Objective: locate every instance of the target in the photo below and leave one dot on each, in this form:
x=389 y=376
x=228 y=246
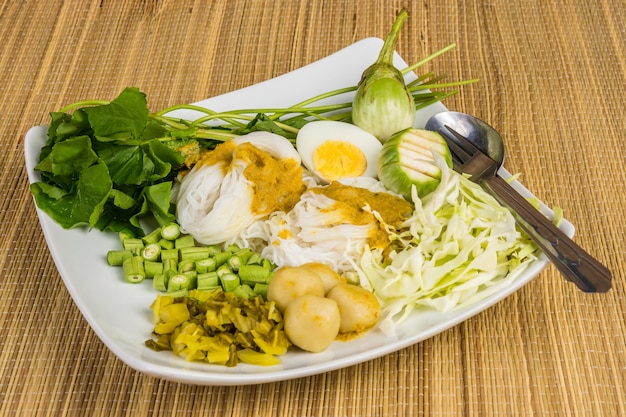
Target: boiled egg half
x=334 y=150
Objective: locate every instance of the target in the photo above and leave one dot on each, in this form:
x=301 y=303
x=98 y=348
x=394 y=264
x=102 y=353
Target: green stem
x=168 y=122
x=443 y=85
x=215 y=135
x=429 y=78
x=185 y=107
x=325 y=95
x=88 y=103
x=227 y=117
x=422 y=97
x=428 y=58
x=315 y=111
x=287 y=128
x=387 y=51
x=435 y=100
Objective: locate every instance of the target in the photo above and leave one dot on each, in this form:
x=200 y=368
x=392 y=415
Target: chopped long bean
x=152 y=268
x=170 y=264
x=223 y=270
x=185 y=266
x=230 y=282
x=178 y=282
x=166 y=244
x=244 y=291
x=117 y=257
x=179 y=265
x=152 y=237
x=261 y=289
x=170 y=231
x=234 y=263
x=151 y=252
x=255 y=274
x=194 y=253
x=134 y=269
x=221 y=258
x=169 y=254
x=159 y=282
x=134 y=245
x=207 y=281
x=206 y=265
x=184 y=241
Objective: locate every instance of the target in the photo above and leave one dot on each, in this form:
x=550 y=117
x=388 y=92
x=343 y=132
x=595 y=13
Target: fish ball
x=329 y=277
x=289 y=283
x=359 y=308
x=312 y=322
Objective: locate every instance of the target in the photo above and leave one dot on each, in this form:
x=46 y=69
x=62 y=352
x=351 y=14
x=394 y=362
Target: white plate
x=119 y=312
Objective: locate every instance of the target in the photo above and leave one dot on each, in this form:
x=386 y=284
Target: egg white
x=312 y=135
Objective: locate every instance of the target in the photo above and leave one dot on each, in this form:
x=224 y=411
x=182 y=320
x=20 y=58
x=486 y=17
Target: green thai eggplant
x=407 y=160
x=383 y=104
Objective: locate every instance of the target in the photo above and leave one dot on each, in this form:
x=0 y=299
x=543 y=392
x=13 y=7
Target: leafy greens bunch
x=106 y=166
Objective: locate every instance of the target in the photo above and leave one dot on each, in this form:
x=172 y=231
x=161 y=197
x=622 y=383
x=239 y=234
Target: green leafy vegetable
x=158 y=200
x=106 y=167
x=124 y=119
x=82 y=204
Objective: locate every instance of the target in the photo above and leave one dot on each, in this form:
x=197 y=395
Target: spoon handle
x=575 y=263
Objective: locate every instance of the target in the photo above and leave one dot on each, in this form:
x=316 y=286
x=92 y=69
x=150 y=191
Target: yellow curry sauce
x=352 y=200
x=277 y=183
x=222 y=154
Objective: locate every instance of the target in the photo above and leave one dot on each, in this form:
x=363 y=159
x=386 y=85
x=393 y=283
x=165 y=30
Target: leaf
x=184 y=133
x=63 y=126
x=127 y=164
x=69 y=157
x=164 y=159
x=122 y=200
x=158 y=198
x=153 y=130
x=116 y=220
x=123 y=119
x=170 y=152
x=297 y=121
x=83 y=204
x=262 y=122
x=140 y=211
x=78 y=124
x=160 y=168
x=139 y=164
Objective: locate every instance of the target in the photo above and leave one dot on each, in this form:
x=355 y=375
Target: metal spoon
x=573 y=262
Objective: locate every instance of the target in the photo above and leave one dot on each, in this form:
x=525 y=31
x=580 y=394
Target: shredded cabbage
x=458 y=243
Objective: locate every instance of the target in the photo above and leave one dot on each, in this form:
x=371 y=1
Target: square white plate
x=119 y=312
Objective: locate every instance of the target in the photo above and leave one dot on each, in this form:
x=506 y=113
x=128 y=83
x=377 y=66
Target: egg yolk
x=335 y=159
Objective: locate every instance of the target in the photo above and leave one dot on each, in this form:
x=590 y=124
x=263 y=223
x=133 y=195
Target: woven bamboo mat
x=553 y=78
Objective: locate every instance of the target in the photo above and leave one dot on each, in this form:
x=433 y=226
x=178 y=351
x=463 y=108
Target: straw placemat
x=552 y=82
